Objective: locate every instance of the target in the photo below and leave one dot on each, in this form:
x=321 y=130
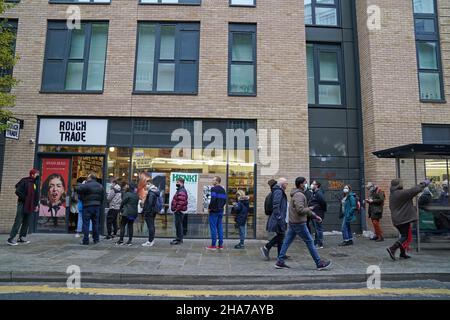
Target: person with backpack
x=27 y=191
x=149 y=211
x=218 y=201
x=241 y=209
x=179 y=205
x=277 y=219
x=376 y=204
x=128 y=212
x=319 y=206
x=349 y=208
x=114 y=199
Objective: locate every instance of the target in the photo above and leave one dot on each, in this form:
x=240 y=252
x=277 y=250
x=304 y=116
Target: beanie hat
x=396 y=183
x=33 y=172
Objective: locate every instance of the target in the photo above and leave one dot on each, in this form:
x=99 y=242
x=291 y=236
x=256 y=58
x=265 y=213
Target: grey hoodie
x=115 y=197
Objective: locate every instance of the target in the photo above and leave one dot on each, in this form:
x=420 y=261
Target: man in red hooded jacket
x=178 y=206
x=27 y=191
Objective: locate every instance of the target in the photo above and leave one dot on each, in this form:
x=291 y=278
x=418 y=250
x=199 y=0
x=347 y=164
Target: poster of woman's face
x=53 y=195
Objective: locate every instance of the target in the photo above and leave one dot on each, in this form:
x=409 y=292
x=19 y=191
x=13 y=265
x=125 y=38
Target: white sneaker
x=77 y=235
x=148 y=244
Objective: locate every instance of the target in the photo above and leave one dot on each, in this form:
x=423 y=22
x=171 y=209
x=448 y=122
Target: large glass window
x=321 y=12
x=247 y=3
x=428 y=51
x=6 y=70
x=75 y=59
x=242 y=60
x=324 y=75
x=80 y=1
x=167 y=58
x=195 y=2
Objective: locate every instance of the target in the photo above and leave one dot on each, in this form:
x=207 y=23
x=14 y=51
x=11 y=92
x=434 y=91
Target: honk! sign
x=92 y=132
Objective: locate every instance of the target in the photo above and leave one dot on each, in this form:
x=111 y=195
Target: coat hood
x=154 y=189
x=117 y=188
x=396 y=184
x=296 y=190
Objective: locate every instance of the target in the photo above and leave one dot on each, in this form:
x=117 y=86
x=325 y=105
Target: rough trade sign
x=73 y=131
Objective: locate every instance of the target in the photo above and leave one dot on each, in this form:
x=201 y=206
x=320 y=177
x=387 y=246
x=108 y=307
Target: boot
x=391 y=250
x=403 y=254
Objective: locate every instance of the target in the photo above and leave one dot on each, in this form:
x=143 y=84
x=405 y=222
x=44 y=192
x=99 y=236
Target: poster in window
x=191 y=186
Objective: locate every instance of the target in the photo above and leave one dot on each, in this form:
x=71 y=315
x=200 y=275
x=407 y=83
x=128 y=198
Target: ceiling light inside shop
x=112 y=149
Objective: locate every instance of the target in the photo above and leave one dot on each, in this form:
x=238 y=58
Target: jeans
x=179 y=225
x=91 y=213
x=111 y=221
x=215 y=226
x=123 y=223
x=346 y=231
x=302 y=231
x=80 y=223
x=278 y=239
x=404 y=230
x=150 y=221
x=242 y=233
x=318 y=233
x=377 y=228
x=21 y=222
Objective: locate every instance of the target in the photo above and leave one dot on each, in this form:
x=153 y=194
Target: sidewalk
x=48 y=256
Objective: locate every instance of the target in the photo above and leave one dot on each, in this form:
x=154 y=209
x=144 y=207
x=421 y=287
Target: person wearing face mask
x=376 y=204
x=348 y=213
x=403 y=213
x=277 y=220
x=27 y=192
x=298 y=212
x=319 y=206
x=178 y=206
x=150 y=211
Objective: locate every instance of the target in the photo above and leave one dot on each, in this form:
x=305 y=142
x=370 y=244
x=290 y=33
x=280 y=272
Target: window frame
x=66 y=59
x=314 y=5
x=13 y=25
x=231 y=4
x=330 y=48
x=423 y=37
x=77 y=2
x=242 y=28
x=157 y=60
x=160 y=3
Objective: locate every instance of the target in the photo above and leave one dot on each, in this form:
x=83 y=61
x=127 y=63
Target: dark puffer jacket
x=150 y=202
x=241 y=209
x=277 y=220
x=129 y=205
x=180 y=201
x=318 y=203
x=91 y=193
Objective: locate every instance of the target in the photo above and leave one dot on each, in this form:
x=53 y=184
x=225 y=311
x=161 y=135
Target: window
x=192 y=2
x=243 y=3
x=167 y=58
x=242 y=59
x=11 y=27
x=428 y=51
x=80 y=1
x=324 y=72
x=321 y=12
x=75 y=59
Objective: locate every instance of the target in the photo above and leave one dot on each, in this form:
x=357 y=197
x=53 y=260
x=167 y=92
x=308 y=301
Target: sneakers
x=148 y=243
x=84 y=243
x=23 y=241
x=374 y=238
x=404 y=256
x=107 y=238
x=129 y=243
x=212 y=248
x=346 y=243
x=281 y=265
x=176 y=242
x=219 y=247
x=265 y=253
x=77 y=235
x=319 y=246
x=323 y=265
x=239 y=246
x=11 y=242
x=119 y=243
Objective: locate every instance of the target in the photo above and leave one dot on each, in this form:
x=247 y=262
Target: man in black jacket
x=92 y=195
x=27 y=192
x=318 y=204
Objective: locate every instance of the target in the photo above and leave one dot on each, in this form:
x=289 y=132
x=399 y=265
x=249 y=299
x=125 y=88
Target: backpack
x=358 y=205
x=159 y=205
x=268 y=204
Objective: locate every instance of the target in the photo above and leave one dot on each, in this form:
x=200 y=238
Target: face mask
x=148 y=186
x=178 y=185
x=346 y=190
x=306 y=186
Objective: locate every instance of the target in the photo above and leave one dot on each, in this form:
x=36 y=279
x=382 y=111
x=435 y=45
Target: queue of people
x=286 y=218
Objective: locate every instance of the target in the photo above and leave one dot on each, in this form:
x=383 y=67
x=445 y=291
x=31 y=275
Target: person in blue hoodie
x=348 y=213
x=218 y=201
x=241 y=209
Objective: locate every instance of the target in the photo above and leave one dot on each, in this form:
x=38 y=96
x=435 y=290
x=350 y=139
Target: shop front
x=123 y=149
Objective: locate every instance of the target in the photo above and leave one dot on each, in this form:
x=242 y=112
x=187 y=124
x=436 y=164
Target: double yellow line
x=222 y=293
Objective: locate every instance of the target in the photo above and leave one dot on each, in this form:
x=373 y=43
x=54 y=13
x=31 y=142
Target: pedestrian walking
x=218 y=201
x=92 y=195
x=348 y=215
x=179 y=205
x=298 y=213
x=114 y=199
x=27 y=192
x=128 y=212
x=150 y=211
x=376 y=204
x=241 y=209
x=318 y=205
x=277 y=219
x=403 y=213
